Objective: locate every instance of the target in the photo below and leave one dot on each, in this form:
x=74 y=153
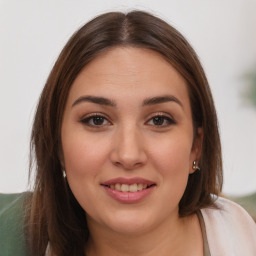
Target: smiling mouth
x=129 y=187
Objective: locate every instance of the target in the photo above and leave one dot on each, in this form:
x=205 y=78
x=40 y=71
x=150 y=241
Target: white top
x=230 y=230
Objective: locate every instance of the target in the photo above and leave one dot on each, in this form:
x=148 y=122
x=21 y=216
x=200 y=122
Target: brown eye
x=95 y=121
x=158 y=120
x=161 y=120
x=98 y=120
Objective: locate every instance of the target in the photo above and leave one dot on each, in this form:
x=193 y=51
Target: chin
x=130 y=223
x=130 y=228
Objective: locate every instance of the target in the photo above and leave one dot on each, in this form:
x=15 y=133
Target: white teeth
x=140 y=186
x=118 y=187
x=128 y=188
x=133 y=188
x=124 y=188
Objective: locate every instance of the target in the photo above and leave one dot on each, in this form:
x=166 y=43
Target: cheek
x=172 y=161
x=172 y=157
x=82 y=154
x=84 y=159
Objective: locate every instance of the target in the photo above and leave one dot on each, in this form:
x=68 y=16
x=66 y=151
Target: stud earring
x=64 y=173
x=195 y=166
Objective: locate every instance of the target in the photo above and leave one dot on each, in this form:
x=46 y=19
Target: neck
x=174 y=237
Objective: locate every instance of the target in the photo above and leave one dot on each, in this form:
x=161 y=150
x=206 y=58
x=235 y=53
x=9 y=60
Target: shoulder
x=229 y=228
x=12 y=239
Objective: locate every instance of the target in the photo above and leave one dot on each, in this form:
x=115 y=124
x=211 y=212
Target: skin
x=131 y=139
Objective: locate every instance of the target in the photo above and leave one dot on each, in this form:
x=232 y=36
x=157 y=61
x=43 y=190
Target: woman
x=127 y=149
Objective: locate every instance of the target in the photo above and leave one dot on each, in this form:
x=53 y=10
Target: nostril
x=127 y=164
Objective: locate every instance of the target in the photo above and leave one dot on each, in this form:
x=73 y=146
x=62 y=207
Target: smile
x=129 y=188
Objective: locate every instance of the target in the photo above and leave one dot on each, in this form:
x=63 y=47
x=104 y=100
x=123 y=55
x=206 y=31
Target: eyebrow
x=108 y=102
x=161 y=99
x=96 y=100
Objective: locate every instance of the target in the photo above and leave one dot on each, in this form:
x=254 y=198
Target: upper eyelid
x=95 y=114
x=163 y=114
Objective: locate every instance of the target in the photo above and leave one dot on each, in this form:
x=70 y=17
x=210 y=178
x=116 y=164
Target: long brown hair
x=53 y=213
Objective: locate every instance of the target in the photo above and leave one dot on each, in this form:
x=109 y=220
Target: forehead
x=129 y=71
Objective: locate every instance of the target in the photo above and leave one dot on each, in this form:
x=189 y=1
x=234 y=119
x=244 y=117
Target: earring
x=195 y=166
x=64 y=173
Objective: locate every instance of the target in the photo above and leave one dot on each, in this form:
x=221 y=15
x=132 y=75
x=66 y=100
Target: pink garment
x=230 y=230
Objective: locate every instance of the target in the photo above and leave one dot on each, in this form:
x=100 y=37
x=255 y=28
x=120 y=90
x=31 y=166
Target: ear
x=196 y=149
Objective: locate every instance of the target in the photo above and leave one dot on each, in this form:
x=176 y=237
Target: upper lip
x=128 y=181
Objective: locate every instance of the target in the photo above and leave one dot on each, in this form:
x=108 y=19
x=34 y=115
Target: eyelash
x=164 y=120
x=92 y=117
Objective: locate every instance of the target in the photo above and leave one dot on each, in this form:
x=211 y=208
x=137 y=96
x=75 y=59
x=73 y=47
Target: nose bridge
x=128 y=149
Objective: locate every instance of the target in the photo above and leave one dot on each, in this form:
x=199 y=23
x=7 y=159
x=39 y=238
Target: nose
x=128 y=149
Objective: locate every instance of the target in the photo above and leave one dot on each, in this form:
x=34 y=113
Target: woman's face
x=127 y=138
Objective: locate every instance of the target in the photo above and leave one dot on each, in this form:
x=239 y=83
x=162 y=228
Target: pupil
x=98 y=120
x=158 y=120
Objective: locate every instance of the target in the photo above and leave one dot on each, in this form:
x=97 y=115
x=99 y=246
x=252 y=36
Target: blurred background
x=223 y=32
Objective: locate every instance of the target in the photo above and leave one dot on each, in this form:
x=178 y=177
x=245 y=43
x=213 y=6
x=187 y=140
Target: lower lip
x=129 y=197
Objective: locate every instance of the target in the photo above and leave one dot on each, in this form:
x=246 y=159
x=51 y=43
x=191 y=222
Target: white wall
x=33 y=32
